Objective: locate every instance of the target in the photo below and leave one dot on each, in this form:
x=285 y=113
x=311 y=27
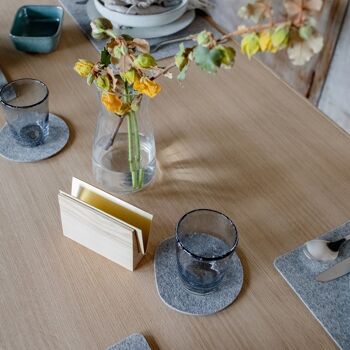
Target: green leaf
x=129 y=76
x=305 y=32
x=229 y=55
x=119 y=51
x=206 y=39
x=216 y=56
x=181 y=60
x=250 y=44
x=103 y=82
x=181 y=49
x=101 y=23
x=280 y=35
x=105 y=57
x=145 y=60
x=201 y=54
x=110 y=33
x=183 y=72
x=208 y=59
x=100 y=27
x=90 y=79
x=203 y=37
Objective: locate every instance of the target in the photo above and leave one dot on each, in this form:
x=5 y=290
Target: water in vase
x=111 y=167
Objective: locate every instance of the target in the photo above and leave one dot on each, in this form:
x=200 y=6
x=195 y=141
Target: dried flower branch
x=126 y=69
x=298 y=34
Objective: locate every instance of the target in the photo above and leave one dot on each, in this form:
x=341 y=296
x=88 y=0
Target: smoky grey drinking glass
x=205 y=242
x=25 y=104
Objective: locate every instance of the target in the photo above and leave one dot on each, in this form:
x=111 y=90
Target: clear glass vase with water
x=124 y=153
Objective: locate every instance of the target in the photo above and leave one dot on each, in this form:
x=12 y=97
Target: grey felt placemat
x=329 y=302
x=56 y=140
x=132 y=342
x=80 y=15
x=176 y=296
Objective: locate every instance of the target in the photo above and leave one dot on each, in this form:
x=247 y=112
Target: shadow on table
x=217 y=172
x=246 y=272
x=72 y=134
x=200 y=173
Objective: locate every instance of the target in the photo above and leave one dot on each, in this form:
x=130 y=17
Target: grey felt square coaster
x=132 y=342
x=176 y=296
x=56 y=140
x=329 y=302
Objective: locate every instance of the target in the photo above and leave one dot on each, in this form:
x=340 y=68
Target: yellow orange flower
x=83 y=67
x=112 y=102
x=147 y=87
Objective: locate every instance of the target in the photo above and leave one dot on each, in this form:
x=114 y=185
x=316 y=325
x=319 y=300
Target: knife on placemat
x=335 y=271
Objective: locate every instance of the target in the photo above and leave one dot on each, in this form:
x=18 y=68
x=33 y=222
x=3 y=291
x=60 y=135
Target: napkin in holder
x=105 y=224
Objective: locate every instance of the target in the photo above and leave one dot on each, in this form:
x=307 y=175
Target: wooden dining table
x=241 y=142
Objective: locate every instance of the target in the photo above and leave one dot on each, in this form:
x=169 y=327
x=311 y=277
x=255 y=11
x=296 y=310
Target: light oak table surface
x=241 y=142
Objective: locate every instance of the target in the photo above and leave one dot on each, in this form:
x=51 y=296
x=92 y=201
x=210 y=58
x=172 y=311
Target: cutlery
x=323 y=250
x=81 y=2
x=335 y=271
x=156 y=47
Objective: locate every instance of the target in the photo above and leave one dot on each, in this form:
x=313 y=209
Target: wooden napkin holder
x=105 y=224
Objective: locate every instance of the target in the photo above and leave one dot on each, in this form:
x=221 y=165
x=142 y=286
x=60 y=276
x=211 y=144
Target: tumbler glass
x=205 y=242
x=26 y=106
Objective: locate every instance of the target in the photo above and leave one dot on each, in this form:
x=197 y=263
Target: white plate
x=142 y=21
x=150 y=32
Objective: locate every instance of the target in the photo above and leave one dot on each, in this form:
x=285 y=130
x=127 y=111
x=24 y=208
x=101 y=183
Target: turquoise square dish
x=37 y=28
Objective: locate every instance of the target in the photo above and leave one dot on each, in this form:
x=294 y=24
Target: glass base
x=121 y=182
x=208 y=274
x=112 y=170
x=30 y=135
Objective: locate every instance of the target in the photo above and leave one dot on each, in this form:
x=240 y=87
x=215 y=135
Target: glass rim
x=27 y=106
x=203 y=258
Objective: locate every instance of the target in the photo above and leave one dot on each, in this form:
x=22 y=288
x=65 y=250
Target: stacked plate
x=147 y=25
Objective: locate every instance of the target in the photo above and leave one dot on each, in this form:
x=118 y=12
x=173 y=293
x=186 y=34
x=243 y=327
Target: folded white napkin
x=148 y=7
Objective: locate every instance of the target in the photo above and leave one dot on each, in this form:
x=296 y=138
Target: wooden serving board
x=308 y=79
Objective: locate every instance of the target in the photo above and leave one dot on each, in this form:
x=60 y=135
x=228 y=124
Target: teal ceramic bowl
x=37 y=28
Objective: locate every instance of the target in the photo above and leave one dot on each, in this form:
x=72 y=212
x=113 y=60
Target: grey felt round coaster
x=57 y=139
x=134 y=341
x=176 y=296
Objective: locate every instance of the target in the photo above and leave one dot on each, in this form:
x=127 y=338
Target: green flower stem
x=134 y=148
x=134 y=151
x=138 y=148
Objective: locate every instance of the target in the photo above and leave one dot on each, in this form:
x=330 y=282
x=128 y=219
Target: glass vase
x=124 y=153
